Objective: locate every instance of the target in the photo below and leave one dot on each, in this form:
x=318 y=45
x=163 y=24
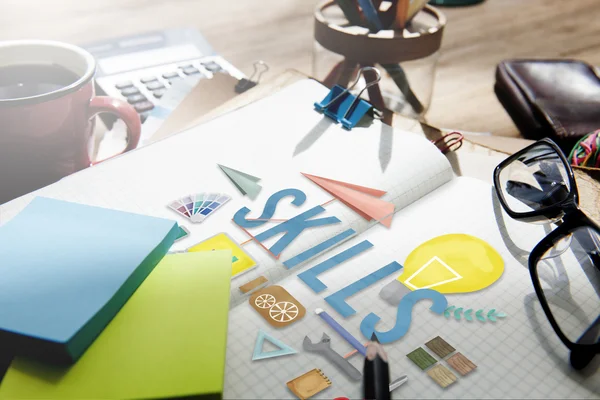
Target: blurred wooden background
x=280 y=32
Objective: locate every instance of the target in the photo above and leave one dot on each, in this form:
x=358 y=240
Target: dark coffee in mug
x=47 y=114
x=17 y=81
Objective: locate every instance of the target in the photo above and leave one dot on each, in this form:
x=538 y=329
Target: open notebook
x=280 y=137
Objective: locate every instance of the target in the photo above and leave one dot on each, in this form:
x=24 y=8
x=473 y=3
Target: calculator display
x=147 y=58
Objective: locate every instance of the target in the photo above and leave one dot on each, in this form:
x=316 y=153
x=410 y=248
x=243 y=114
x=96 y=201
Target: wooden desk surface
x=280 y=32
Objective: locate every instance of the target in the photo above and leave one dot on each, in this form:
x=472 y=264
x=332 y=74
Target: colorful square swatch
x=442 y=375
x=440 y=347
x=421 y=358
x=197 y=207
x=461 y=364
x=240 y=261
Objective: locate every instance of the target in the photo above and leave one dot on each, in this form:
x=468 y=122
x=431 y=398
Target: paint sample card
x=442 y=375
x=307 y=385
x=461 y=364
x=421 y=358
x=240 y=262
x=440 y=347
x=253 y=284
x=277 y=306
x=197 y=207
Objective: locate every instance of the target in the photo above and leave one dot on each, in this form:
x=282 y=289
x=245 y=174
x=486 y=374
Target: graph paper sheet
x=274 y=139
x=517 y=357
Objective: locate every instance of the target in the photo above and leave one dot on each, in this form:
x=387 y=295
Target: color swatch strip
x=197 y=207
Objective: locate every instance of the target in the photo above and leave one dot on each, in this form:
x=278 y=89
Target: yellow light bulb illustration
x=453 y=263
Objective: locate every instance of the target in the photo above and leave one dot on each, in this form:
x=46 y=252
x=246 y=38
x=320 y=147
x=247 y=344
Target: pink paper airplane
x=363 y=200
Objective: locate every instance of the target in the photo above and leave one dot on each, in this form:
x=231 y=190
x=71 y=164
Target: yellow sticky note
x=240 y=261
x=168 y=340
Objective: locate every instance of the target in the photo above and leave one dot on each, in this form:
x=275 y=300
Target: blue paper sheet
x=67 y=269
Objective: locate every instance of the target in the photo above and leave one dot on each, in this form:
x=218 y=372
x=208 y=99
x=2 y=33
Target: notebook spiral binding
x=327 y=380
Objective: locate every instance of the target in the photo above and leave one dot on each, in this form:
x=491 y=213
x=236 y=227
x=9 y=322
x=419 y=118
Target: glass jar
x=405 y=59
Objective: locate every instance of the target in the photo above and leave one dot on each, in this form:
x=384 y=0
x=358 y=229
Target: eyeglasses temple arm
x=591 y=335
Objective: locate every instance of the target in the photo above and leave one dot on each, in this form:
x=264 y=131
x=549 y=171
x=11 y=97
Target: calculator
x=140 y=68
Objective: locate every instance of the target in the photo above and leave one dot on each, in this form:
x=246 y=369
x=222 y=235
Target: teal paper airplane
x=245 y=183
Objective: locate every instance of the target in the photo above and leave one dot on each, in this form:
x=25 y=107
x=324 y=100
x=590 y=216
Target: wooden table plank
x=280 y=32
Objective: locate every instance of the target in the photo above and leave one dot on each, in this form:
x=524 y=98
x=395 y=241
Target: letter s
x=403 y=315
x=270 y=207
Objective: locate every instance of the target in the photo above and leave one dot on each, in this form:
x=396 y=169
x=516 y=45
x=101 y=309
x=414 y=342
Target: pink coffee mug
x=45 y=136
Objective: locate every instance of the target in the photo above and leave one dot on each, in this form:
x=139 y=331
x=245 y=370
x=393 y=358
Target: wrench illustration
x=324 y=348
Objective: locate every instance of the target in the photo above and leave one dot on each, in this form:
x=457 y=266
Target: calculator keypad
x=142 y=92
x=130 y=91
x=155 y=85
x=148 y=79
x=190 y=70
x=143 y=106
x=136 y=98
x=212 y=66
x=124 y=84
x=159 y=93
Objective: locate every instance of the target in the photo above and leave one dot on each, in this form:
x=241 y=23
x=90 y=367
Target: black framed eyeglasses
x=537 y=184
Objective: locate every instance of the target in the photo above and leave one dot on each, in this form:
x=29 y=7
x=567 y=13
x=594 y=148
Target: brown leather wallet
x=559 y=99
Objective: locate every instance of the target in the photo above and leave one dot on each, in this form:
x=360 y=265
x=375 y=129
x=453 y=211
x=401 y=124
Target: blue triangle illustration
x=245 y=183
x=284 y=349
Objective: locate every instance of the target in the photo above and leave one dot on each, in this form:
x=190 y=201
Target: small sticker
x=421 y=358
x=309 y=384
x=461 y=364
x=253 y=284
x=442 y=375
x=282 y=348
x=240 y=262
x=182 y=233
x=277 y=306
x=440 y=347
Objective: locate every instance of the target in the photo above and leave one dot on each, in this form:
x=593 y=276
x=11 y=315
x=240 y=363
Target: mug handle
x=123 y=110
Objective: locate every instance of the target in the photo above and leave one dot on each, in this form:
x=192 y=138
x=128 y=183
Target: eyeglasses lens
x=536 y=180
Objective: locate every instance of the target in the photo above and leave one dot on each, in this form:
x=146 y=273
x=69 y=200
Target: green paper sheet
x=168 y=340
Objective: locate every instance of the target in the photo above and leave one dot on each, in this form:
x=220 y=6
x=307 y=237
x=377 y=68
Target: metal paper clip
x=451 y=142
x=245 y=84
x=346 y=108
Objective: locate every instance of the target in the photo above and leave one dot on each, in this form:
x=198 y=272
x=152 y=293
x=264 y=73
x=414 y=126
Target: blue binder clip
x=346 y=108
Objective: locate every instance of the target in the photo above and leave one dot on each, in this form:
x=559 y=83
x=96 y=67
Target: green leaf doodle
x=481 y=315
x=468 y=315
x=448 y=311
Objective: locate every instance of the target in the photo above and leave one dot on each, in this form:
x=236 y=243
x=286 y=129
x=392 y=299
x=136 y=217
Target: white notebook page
x=519 y=356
